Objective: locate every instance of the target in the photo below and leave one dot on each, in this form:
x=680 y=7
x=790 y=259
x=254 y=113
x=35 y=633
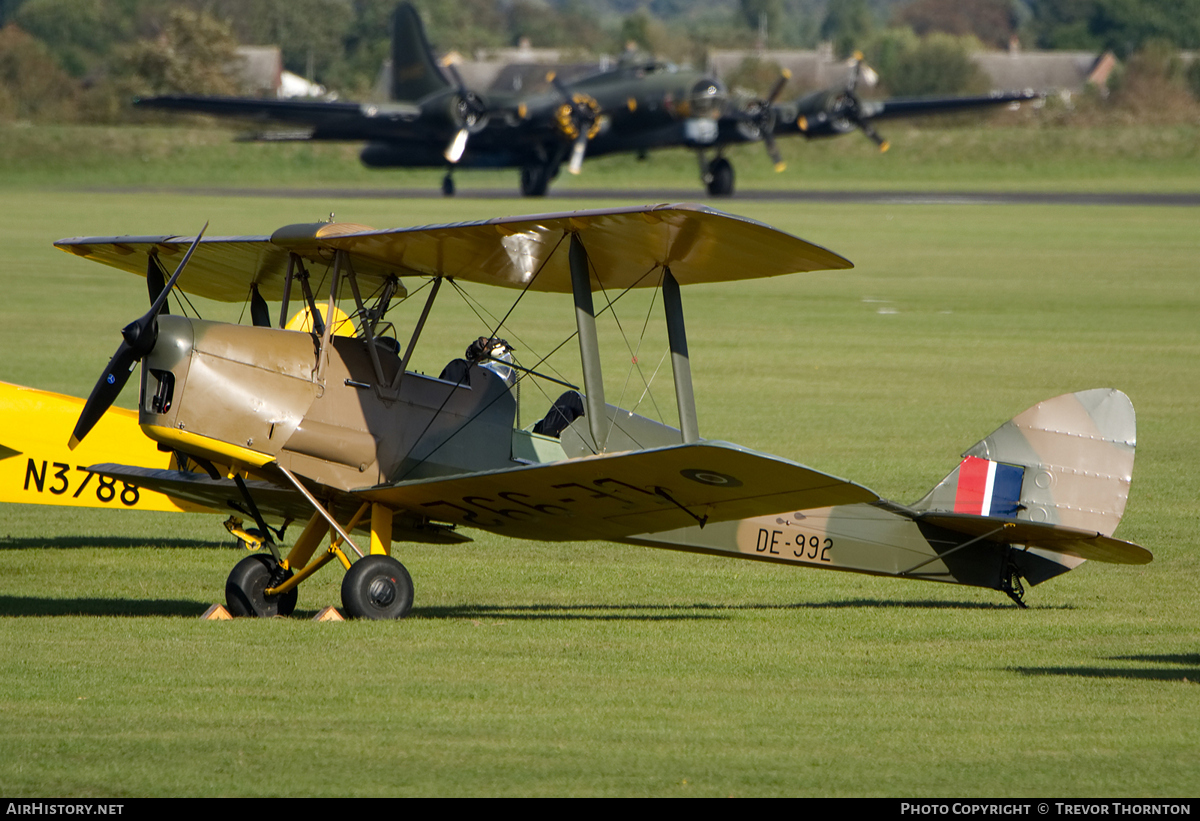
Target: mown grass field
x=998 y=156
x=593 y=669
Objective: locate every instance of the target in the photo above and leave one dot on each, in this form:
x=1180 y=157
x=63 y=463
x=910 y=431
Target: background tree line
x=84 y=59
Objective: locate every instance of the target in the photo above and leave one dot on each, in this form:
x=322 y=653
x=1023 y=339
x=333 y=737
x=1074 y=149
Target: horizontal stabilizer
x=1068 y=541
x=613 y=496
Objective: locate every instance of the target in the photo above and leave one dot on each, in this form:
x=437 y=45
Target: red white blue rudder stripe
x=987 y=488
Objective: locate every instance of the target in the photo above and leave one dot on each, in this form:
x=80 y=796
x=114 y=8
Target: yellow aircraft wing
x=627 y=248
x=36 y=467
x=613 y=496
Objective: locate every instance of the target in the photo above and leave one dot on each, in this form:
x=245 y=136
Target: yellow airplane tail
x=37 y=467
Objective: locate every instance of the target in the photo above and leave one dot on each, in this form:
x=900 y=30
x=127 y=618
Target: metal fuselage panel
x=860 y=538
x=262 y=392
x=430 y=428
x=244 y=386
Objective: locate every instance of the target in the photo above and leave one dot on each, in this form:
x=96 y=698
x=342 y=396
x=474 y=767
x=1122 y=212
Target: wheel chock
x=329 y=614
x=217 y=613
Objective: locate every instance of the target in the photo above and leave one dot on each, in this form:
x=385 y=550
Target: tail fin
x=415 y=72
x=1066 y=461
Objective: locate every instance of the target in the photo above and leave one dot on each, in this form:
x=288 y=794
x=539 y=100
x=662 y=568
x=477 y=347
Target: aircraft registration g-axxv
x=329 y=425
x=432 y=120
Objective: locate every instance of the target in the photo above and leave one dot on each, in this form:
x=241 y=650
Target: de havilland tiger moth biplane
x=329 y=425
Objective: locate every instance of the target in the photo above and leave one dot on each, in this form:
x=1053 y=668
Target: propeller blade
x=156 y=308
x=871 y=133
x=155 y=282
x=458 y=145
x=138 y=338
x=576 y=164
x=115 y=375
x=773 y=151
x=260 y=315
x=777 y=89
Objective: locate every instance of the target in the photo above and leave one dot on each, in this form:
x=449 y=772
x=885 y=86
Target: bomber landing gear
x=718 y=177
x=377 y=587
x=448 y=185
x=535 y=180
x=250 y=577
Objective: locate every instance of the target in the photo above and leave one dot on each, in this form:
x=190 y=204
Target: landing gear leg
x=719 y=177
x=448 y=185
x=1010 y=583
x=535 y=180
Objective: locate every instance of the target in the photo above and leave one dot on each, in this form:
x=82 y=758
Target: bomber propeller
x=138 y=338
x=578 y=118
x=758 y=119
x=847 y=107
x=470 y=111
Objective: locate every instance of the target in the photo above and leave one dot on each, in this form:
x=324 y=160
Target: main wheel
x=721 y=172
x=448 y=185
x=249 y=578
x=377 y=587
x=535 y=180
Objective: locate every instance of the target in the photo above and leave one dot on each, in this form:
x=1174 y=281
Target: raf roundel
x=711 y=477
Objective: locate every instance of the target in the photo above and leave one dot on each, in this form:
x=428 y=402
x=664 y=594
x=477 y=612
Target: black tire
x=535 y=180
x=721 y=172
x=377 y=587
x=447 y=186
x=249 y=578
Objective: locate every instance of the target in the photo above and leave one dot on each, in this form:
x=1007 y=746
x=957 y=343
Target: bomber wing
x=321 y=120
x=832 y=112
x=627 y=247
x=917 y=106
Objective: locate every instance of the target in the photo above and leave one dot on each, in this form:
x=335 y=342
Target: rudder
x=415 y=73
x=1065 y=461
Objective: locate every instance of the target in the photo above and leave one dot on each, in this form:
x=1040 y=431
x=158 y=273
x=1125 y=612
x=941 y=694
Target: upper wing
x=323 y=120
x=613 y=496
x=627 y=247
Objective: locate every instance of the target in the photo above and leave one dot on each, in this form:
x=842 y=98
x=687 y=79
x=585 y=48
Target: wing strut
x=685 y=397
x=416 y=334
x=589 y=346
x=287 y=291
x=319 y=508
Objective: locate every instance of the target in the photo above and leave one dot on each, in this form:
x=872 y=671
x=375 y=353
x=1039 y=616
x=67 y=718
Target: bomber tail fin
x=415 y=71
x=1067 y=461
